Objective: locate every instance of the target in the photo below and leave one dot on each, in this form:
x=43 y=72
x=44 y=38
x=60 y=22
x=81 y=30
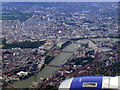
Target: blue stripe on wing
x=78 y=81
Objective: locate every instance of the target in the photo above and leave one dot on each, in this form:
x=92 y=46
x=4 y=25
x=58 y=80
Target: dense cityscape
x=46 y=43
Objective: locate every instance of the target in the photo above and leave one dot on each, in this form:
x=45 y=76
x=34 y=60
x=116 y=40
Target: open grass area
x=15 y=15
x=82 y=61
x=24 y=44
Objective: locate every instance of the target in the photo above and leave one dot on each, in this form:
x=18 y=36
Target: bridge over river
x=68 y=51
x=50 y=70
x=53 y=65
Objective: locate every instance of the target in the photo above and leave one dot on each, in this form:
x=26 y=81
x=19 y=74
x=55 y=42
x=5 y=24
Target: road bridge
x=52 y=65
x=68 y=51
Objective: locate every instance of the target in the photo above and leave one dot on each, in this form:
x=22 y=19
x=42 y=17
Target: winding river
x=58 y=60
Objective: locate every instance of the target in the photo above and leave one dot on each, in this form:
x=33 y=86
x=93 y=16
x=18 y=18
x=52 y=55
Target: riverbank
x=49 y=71
x=74 y=39
x=65 y=44
x=23 y=76
x=48 y=59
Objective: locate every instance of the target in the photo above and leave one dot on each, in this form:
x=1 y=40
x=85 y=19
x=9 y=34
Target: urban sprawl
x=34 y=34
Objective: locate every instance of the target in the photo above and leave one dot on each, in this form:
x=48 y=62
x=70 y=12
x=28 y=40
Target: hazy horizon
x=59 y=0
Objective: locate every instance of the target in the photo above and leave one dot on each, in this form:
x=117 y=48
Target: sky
x=59 y=0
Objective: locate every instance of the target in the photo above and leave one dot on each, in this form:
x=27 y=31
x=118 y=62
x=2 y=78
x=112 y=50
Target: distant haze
x=60 y=0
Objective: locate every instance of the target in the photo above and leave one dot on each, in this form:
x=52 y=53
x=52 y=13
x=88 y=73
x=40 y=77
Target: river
x=48 y=71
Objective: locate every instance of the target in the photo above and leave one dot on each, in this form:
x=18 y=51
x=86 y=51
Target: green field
x=48 y=59
x=15 y=15
x=80 y=61
x=24 y=44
